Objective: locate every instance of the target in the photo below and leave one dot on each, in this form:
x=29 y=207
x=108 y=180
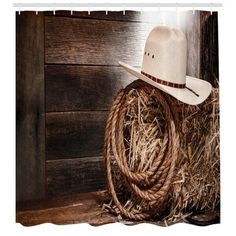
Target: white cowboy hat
x=164 y=66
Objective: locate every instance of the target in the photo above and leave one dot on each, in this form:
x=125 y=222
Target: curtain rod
x=143 y=5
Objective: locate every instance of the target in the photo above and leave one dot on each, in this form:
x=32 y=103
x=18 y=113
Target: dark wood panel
x=71 y=88
x=72 y=209
x=60 y=201
x=74 y=134
x=30 y=118
x=78 y=175
x=130 y=16
x=209 y=48
x=97 y=42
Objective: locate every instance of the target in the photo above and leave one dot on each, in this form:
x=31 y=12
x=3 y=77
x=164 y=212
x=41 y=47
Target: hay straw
x=196 y=183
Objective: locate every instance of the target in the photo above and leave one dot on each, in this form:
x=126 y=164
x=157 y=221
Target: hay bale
x=195 y=186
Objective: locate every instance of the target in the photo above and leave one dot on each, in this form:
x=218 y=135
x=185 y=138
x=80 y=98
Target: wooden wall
x=81 y=76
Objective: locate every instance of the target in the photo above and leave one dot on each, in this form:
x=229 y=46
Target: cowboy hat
x=164 y=66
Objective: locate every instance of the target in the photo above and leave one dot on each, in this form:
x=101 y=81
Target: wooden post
x=30 y=114
x=209 y=68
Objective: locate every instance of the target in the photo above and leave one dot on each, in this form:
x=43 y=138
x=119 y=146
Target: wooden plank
x=70 y=88
x=30 y=118
x=79 y=208
x=74 y=134
x=97 y=42
x=78 y=175
x=193 y=34
x=209 y=48
x=60 y=201
x=130 y=16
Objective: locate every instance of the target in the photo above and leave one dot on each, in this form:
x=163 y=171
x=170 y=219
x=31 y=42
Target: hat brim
x=201 y=87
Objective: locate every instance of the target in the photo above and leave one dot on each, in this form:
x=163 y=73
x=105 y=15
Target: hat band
x=163 y=82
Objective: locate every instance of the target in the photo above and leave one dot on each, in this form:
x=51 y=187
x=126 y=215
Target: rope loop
x=147 y=183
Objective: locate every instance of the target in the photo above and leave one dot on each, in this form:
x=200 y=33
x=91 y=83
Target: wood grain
x=74 y=134
x=83 y=87
x=30 y=118
x=97 y=42
x=78 y=208
x=78 y=175
x=209 y=48
x=193 y=35
x=130 y=16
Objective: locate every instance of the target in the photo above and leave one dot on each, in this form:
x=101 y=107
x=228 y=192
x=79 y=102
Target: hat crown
x=165 y=55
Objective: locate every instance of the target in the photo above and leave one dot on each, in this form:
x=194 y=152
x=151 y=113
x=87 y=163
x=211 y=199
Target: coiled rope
x=151 y=185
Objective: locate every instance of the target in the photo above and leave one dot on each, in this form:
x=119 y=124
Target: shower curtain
x=68 y=80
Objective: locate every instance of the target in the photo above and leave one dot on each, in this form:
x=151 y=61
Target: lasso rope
x=151 y=185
